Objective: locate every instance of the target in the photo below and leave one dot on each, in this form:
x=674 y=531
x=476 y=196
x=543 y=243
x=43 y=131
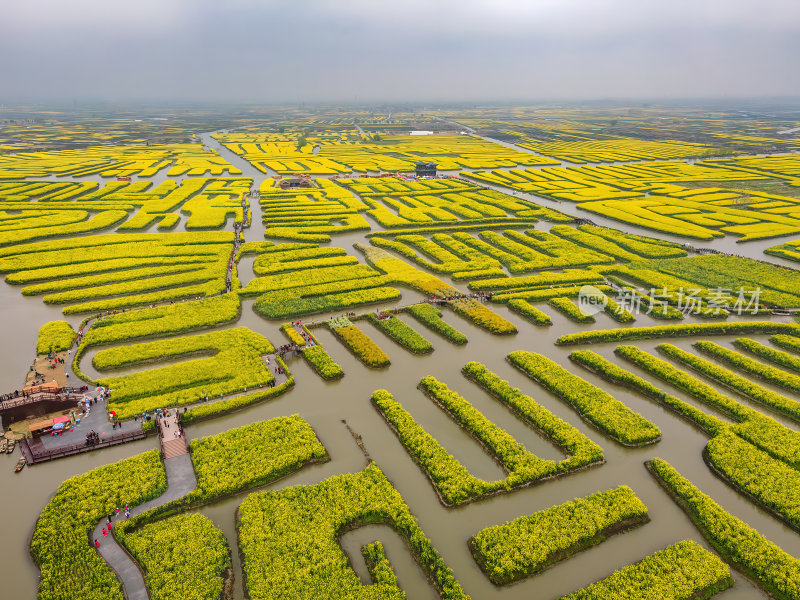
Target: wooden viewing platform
x=64 y=395
x=34 y=451
x=171 y=446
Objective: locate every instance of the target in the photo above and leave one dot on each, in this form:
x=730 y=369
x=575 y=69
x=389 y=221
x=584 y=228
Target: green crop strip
x=236 y=365
x=401 y=333
x=682 y=330
x=771 y=482
x=183 y=556
x=453 y=482
x=568 y=308
x=751 y=367
x=431 y=317
x=55 y=336
x=616 y=374
x=748 y=551
x=683 y=571
x=776 y=401
x=529 y=544
x=760 y=430
x=70 y=567
x=282 y=530
x=598 y=407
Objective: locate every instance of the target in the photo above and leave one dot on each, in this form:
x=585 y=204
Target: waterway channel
x=326 y=404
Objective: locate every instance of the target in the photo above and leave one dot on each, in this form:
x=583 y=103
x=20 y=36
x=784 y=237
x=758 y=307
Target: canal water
x=325 y=405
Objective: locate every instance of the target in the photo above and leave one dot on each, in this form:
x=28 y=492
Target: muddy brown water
x=325 y=404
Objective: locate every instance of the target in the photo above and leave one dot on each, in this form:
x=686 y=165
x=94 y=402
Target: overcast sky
x=387 y=50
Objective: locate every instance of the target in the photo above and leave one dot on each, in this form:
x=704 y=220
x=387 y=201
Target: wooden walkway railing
x=34 y=398
x=34 y=451
x=69 y=394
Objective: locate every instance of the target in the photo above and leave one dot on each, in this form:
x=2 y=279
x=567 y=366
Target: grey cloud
x=278 y=50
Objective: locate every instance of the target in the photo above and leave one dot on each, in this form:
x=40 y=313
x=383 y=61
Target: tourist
x=96 y=544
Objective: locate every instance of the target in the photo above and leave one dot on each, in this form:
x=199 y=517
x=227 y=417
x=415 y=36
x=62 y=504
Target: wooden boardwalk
x=71 y=394
x=173 y=442
x=34 y=451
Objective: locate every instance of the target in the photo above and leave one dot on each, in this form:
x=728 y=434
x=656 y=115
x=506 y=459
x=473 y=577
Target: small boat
x=3 y=445
x=20 y=465
x=11 y=444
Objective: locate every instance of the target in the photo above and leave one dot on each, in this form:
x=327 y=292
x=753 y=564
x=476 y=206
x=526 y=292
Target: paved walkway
x=180 y=481
x=95 y=420
x=269 y=360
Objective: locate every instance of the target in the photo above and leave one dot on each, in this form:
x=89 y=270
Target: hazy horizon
x=362 y=52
